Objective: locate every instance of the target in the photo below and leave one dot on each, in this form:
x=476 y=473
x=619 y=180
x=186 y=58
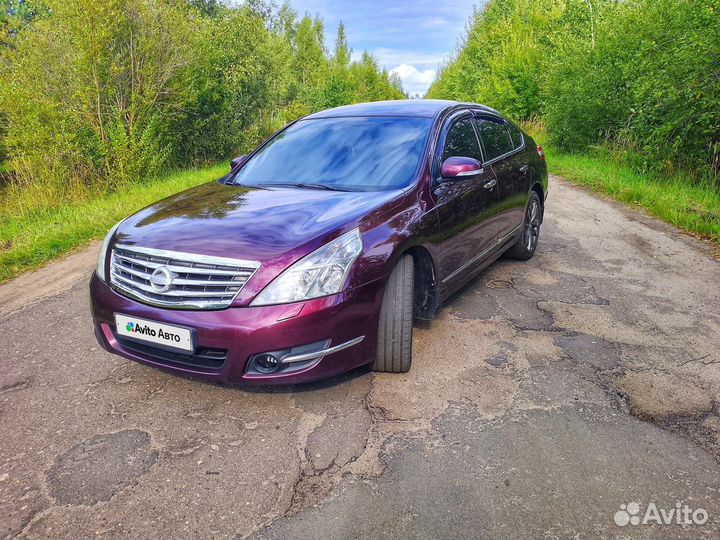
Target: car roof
x=419 y=108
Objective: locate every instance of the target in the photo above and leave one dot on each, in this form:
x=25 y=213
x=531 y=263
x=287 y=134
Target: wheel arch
x=425 y=294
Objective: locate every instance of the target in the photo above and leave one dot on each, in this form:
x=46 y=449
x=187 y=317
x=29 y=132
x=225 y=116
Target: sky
x=407 y=37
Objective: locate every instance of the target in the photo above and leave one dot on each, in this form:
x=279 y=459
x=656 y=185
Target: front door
x=467 y=208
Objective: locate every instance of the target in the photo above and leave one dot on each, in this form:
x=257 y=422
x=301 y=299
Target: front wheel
x=526 y=245
x=394 y=347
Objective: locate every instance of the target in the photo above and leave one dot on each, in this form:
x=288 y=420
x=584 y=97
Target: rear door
x=467 y=208
x=502 y=156
x=520 y=163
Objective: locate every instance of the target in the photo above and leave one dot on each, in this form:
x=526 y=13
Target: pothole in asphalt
x=498 y=360
x=567 y=288
x=590 y=350
x=542 y=473
x=658 y=396
x=474 y=304
x=499 y=283
x=96 y=469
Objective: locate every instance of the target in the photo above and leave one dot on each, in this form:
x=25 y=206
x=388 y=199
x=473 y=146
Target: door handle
x=524 y=168
x=491 y=184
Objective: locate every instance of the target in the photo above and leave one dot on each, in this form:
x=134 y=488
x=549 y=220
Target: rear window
x=495 y=137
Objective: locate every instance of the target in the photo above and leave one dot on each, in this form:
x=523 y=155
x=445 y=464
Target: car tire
x=394 y=345
x=526 y=245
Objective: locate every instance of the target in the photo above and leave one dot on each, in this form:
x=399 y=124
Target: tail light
x=540 y=152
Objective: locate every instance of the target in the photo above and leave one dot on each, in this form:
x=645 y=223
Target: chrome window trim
x=505 y=155
x=439 y=140
x=479 y=116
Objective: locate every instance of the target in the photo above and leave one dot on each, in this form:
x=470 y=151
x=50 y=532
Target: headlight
x=321 y=273
x=100 y=270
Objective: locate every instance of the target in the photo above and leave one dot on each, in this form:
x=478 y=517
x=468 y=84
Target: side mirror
x=237 y=161
x=459 y=168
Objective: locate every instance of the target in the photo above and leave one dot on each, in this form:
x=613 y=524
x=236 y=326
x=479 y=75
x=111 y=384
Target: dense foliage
x=641 y=77
x=103 y=92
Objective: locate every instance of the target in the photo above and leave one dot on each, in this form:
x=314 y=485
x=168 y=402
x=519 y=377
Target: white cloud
x=393 y=57
x=415 y=81
x=436 y=22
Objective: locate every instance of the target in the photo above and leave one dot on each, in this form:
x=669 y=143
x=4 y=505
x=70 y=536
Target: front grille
x=203 y=357
x=178 y=280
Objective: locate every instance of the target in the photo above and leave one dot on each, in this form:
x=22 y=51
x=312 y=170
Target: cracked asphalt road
x=547 y=394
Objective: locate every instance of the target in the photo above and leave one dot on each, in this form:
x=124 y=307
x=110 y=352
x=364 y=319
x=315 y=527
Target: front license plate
x=167 y=335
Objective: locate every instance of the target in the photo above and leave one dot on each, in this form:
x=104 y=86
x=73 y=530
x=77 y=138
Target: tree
x=396 y=82
x=309 y=58
x=638 y=77
x=89 y=90
x=342 y=51
x=99 y=93
x=16 y=15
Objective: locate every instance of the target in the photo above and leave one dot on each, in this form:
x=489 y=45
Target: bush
x=640 y=77
x=504 y=58
x=95 y=94
x=649 y=87
x=89 y=91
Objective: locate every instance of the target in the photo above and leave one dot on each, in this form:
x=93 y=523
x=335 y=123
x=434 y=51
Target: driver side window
x=461 y=140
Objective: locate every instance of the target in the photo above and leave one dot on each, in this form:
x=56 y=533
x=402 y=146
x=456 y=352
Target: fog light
x=267 y=362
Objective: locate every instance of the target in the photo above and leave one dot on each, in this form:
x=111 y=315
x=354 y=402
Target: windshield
x=354 y=154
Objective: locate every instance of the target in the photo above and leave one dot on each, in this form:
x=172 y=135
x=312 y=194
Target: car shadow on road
x=337 y=380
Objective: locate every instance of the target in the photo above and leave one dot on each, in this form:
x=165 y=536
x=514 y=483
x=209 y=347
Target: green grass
x=690 y=205
x=43 y=234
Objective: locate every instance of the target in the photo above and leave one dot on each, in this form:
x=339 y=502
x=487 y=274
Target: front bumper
x=227 y=339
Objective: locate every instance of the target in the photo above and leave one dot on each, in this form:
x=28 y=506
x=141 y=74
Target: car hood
x=271 y=226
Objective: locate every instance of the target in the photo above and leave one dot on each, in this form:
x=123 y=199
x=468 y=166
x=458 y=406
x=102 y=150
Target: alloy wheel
x=532 y=226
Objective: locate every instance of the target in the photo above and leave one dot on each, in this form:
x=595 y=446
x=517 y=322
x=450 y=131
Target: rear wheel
x=526 y=245
x=394 y=348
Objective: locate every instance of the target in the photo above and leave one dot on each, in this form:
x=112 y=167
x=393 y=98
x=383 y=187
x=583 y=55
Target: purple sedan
x=319 y=250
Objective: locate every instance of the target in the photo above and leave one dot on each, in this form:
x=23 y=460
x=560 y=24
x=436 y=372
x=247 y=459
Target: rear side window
x=461 y=141
x=495 y=138
x=515 y=135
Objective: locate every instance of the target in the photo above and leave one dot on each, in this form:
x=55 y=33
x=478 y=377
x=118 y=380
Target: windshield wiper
x=306 y=185
x=240 y=184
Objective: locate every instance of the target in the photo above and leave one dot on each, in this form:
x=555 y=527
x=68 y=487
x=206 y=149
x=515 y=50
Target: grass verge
x=691 y=206
x=30 y=241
